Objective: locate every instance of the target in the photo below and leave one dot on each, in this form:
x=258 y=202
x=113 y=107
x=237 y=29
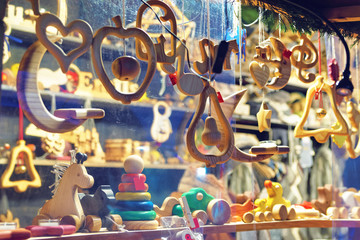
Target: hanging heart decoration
x=79 y=26
x=260 y=73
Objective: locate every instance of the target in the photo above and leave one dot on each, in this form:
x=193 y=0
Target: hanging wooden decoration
x=28 y=93
x=321 y=135
x=161 y=126
x=304 y=56
x=20 y=185
x=282 y=64
x=80 y=26
x=260 y=73
x=264 y=117
x=227 y=134
x=353 y=114
x=121 y=32
x=169 y=16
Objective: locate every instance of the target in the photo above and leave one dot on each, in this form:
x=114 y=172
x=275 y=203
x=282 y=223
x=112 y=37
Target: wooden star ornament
x=264 y=117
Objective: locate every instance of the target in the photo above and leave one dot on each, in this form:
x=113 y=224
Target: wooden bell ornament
x=211 y=135
x=20 y=185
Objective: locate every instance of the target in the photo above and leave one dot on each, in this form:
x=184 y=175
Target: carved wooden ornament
x=79 y=26
x=161 y=127
x=227 y=133
x=321 y=135
x=260 y=73
x=306 y=59
x=121 y=32
x=20 y=185
x=282 y=64
x=264 y=117
x=228 y=107
x=169 y=16
x=30 y=99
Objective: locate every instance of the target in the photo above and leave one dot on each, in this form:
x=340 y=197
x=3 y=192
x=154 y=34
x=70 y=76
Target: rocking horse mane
x=59 y=170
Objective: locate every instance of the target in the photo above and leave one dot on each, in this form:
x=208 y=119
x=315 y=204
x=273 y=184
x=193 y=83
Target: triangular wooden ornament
x=322 y=134
x=20 y=185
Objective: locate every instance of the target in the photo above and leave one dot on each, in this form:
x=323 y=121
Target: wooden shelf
x=102 y=164
x=209 y=229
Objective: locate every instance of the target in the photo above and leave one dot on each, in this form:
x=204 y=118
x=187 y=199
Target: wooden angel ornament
x=65 y=203
x=321 y=135
x=161 y=126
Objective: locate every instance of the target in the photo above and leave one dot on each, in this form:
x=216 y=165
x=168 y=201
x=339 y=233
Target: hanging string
x=124 y=23
x=21 y=124
x=260 y=25
x=183 y=19
x=240 y=44
x=208 y=37
x=357 y=71
x=279 y=26
x=319 y=53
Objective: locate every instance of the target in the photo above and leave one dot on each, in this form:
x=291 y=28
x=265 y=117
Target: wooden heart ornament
x=79 y=26
x=121 y=32
x=260 y=73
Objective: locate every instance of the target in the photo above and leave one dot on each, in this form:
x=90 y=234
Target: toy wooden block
x=136 y=215
x=141 y=225
x=130 y=187
x=132 y=196
x=132 y=206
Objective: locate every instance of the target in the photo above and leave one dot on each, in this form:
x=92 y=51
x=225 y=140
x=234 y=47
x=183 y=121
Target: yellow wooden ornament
x=322 y=134
x=338 y=139
x=264 y=117
x=20 y=185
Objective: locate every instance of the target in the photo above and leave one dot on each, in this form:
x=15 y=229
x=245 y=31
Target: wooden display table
x=209 y=229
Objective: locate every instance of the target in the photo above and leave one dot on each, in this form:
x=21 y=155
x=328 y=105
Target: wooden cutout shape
x=169 y=16
x=326 y=195
x=161 y=127
x=202 y=67
x=61 y=9
x=228 y=107
x=190 y=84
x=282 y=64
x=80 y=26
x=65 y=201
x=306 y=59
x=20 y=185
x=322 y=134
x=167 y=207
x=353 y=114
x=264 y=117
x=260 y=73
x=79 y=113
x=29 y=95
x=96 y=57
x=227 y=133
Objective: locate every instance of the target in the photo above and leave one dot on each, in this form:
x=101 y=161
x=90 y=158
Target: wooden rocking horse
x=65 y=203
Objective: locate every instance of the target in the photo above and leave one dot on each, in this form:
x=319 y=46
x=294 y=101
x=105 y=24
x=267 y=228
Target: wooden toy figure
x=133 y=199
x=65 y=203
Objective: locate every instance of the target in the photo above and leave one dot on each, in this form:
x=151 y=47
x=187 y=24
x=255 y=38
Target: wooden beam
x=343 y=14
